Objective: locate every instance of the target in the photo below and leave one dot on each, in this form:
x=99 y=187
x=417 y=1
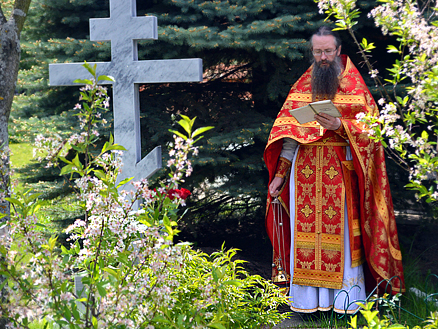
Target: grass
x=22 y=154
x=55 y=211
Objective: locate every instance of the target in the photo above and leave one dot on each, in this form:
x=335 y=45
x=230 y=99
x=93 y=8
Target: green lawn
x=22 y=153
x=54 y=211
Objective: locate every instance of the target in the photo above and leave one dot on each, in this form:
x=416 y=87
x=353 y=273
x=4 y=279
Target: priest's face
x=324 y=49
x=327 y=67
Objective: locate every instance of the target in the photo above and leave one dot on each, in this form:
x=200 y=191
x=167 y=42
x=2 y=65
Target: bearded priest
x=329 y=212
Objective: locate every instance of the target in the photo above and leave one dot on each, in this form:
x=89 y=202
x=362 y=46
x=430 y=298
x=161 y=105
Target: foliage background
x=252 y=51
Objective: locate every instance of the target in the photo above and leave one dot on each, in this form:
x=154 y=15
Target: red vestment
x=363 y=181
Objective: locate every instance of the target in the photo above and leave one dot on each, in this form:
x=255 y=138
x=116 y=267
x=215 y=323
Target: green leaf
x=101 y=289
x=369 y=315
x=83 y=81
x=112 y=272
x=236 y=283
x=178 y=133
x=186 y=125
x=100 y=174
x=64 y=250
x=90 y=69
x=76 y=314
x=396 y=326
x=159 y=318
x=52 y=242
x=77 y=162
x=77 y=247
x=126 y=180
x=106 y=78
x=67 y=169
x=353 y=322
x=201 y=130
x=67 y=313
x=108 y=147
x=2 y=285
x=216 y=325
x=123 y=258
x=14 y=201
x=424 y=135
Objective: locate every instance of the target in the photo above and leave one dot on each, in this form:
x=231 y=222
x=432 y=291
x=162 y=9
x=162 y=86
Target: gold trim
x=341 y=99
x=356 y=232
x=330 y=246
x=383 y=209
x=331 y=280
x=306 y=244
x=348 y=164
x=284 y=205
x=327 y=144
x=358 y=262
x=312 y=273
x=318 y=205
x=324 y=309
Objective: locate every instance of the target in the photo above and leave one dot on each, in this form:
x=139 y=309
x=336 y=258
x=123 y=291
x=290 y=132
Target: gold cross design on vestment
x=307 y=171
x=330 y=212
x=332 y=172
x=307 y=211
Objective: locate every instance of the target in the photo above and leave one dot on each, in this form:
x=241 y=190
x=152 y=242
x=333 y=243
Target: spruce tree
x=252 y=51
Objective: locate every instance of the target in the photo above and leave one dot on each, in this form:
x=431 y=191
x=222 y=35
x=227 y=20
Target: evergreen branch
x=212 y=202
x=232 y=71
x=21 y=7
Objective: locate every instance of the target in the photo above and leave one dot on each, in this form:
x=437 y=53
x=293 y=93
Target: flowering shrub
x=121 y=269
x=408 y=123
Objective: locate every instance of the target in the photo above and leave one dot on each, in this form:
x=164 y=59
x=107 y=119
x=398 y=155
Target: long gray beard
x=325 y=79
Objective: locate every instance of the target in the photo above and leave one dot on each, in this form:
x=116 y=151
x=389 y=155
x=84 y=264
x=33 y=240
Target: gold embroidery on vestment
x=306 y=227
x=306 y=252
x=306 y=265
x=319 y=215
x=330 y=228
x=330 y=212
x=307 y=171
x=330 y=254
x=307 y=211
x=332 y=172
x=331 y=267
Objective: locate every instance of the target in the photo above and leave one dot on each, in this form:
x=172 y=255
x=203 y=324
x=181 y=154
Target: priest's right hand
x=275 y=186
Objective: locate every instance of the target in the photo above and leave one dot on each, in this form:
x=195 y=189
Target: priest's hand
x=275 y=186
x=327 y=121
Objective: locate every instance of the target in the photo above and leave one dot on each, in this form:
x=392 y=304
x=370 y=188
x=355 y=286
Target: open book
x=307 y=113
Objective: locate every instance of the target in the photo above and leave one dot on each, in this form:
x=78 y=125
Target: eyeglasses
x=327 y=52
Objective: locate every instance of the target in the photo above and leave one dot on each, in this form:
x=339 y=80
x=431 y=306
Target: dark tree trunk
x=10 y=30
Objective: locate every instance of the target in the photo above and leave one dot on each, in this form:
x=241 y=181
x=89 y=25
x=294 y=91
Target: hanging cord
x=278 y=233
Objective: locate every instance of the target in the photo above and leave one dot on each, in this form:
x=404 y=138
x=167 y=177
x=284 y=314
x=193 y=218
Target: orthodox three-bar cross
x=124 y=29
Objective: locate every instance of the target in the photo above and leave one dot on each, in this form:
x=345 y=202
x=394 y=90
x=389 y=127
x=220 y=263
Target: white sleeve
x=289 y=147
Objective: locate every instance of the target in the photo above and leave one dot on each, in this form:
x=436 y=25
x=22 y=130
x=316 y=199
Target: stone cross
x=124 y=29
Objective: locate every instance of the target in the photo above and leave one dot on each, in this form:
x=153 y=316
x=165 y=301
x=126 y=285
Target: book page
x=326 y=107
x=303 y=114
